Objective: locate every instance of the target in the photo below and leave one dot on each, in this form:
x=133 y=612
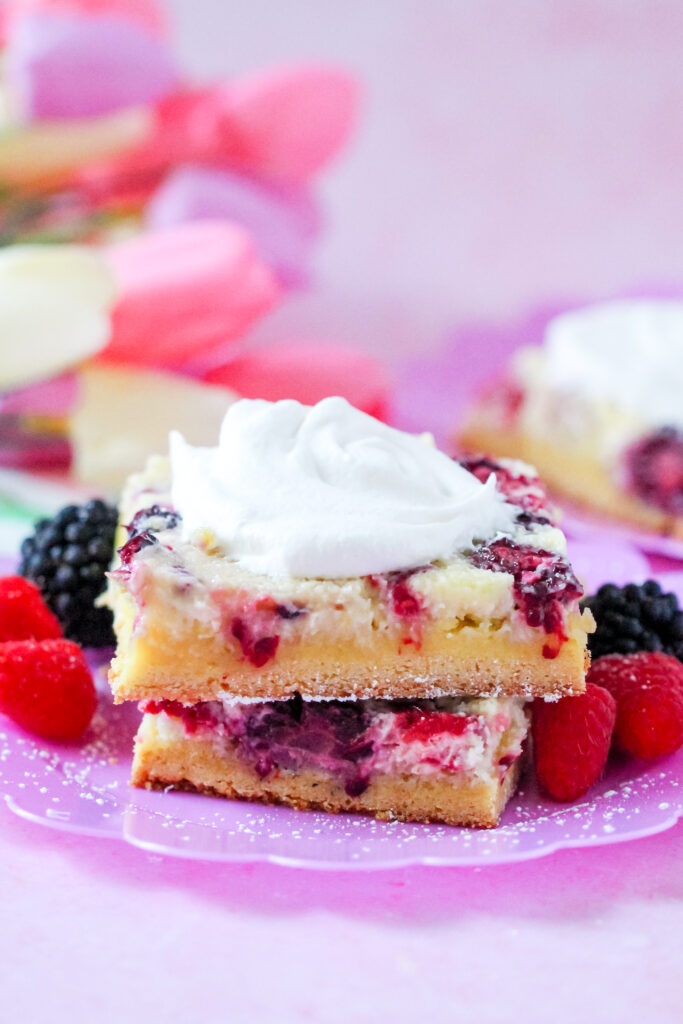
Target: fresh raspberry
x=648 y=689
x=571 y=741
x=23 y=613
x=46 y=687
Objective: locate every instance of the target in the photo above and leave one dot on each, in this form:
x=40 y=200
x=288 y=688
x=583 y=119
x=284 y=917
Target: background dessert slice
x=455 y=762
x=597 y=409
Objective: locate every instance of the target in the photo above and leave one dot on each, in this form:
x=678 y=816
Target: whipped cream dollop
x=55 y=303
x=627 y=352
x=329 y=492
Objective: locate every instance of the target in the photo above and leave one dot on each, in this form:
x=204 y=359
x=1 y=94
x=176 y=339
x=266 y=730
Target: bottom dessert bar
x=453 y=761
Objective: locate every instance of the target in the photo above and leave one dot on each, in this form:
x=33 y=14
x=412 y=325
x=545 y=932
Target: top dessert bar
x=499 y=616
x=598 y=409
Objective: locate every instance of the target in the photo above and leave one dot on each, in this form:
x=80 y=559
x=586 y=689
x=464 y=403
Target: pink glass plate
x=584 y=525
x=85 y=789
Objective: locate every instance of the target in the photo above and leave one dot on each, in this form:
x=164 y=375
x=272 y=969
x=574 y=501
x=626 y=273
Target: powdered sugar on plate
x=84 y=789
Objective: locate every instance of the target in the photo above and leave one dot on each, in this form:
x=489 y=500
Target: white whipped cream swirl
x=628 y=353
x=329 y=492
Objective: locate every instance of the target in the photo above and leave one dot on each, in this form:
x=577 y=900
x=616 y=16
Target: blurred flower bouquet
x=198 y=204
x=103 y=134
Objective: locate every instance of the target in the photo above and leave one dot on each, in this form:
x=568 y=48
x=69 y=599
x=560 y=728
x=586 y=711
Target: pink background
x=508 y=153
x=98 y=931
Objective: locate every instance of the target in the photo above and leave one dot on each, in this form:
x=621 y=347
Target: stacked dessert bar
x=328 y=613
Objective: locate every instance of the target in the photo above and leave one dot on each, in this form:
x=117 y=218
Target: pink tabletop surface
x=96 y=930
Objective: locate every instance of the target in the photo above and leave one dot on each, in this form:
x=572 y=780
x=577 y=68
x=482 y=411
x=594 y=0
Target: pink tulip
x=283 y=222
x=55 y=397
x=307 y=372
x=185 y=291
x=285 y=124
x=173 y=138
x=147 y=14
x=62 y=65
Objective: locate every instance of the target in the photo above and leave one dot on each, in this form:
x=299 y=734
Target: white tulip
x=55 y=303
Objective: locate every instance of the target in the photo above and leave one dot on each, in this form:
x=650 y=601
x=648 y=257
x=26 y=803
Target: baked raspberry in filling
x=520 y=488
x=353 y=741
x=544 y=584
x=404 y=604
x=654 y=470
x=142 y=533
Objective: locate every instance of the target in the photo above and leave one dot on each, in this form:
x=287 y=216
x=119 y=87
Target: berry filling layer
x=544 y=585
x=354 y=741
x=142 y=532
x=517 y=483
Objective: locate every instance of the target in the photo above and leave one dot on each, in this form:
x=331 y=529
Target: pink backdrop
x=509 y=152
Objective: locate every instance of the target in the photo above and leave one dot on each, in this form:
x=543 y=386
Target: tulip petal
x=285 y=124
x=283 y=223
x=307 y=372
x=43 y=156
x=184 y=291
x=54 y=310
x=65 y=66
x=148 y=14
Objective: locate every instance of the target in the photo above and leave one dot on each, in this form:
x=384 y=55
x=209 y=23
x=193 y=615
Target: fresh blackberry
x=635 y=618
x=67 y=557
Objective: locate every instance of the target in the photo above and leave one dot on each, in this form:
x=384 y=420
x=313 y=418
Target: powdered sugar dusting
x=85 y=789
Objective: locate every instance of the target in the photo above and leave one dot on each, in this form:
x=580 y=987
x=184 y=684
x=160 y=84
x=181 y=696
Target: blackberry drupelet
x=67 y=557
x=635 y=618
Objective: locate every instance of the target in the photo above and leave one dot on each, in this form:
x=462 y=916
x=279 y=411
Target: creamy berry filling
x=143 y=532
x=520 y=488
x=256 y=627
x=405 y=604
x=544 y=584
x=654 y=470
x=257 y=624
x=353 y=741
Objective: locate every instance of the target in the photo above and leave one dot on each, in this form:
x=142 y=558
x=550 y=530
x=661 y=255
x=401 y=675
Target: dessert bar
x=455 y=761
x=326 y=612
x=500 y=617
